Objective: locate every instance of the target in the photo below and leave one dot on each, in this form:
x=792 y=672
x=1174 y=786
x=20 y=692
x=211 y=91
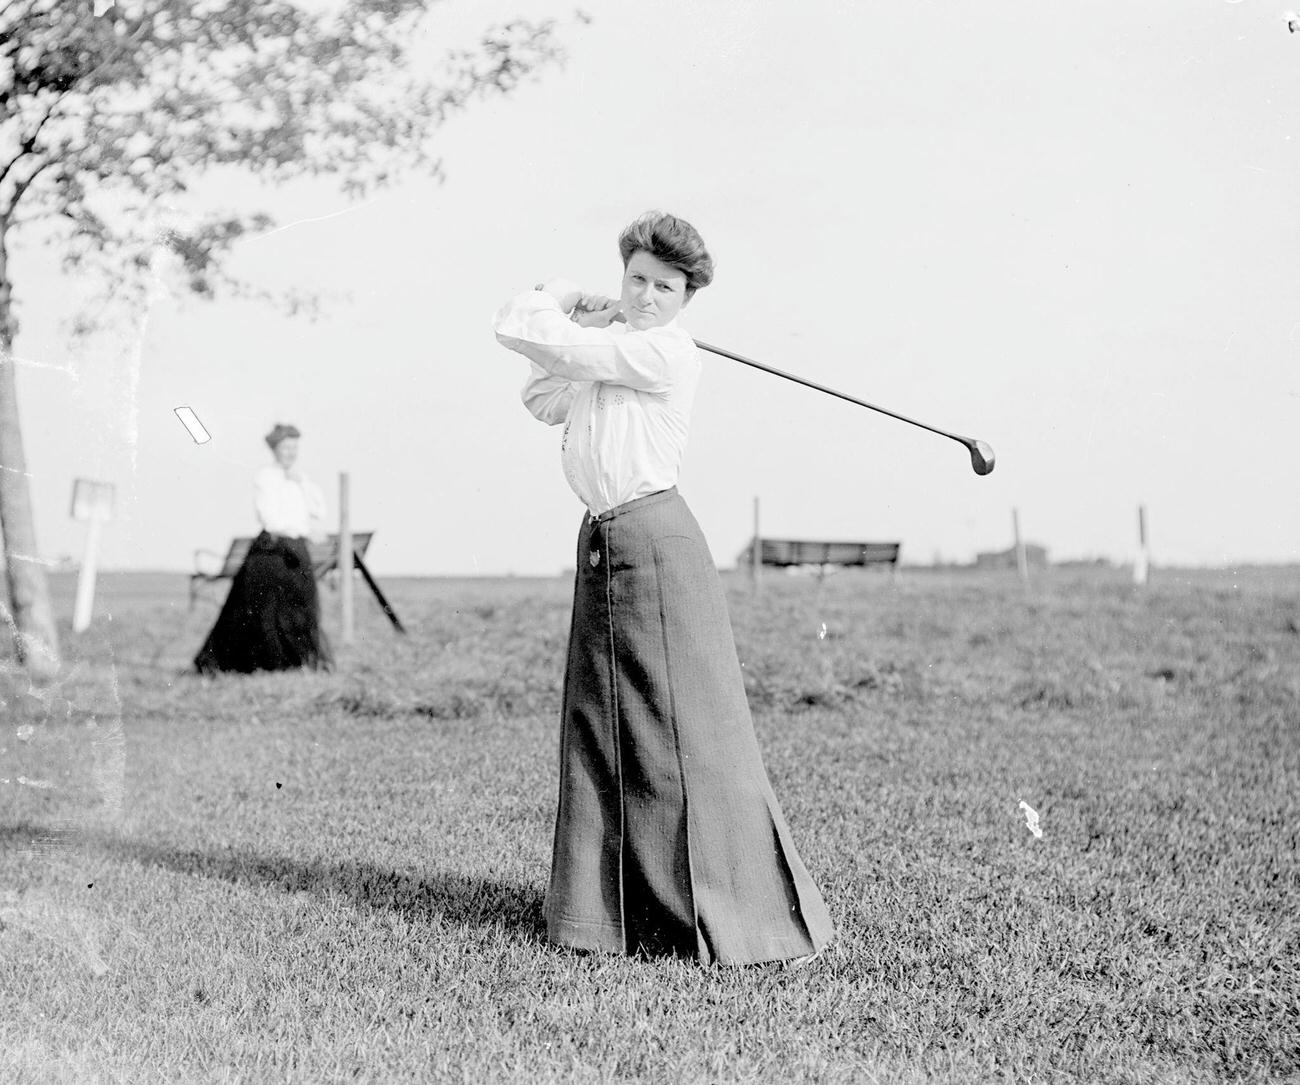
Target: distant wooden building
x=1035 y=557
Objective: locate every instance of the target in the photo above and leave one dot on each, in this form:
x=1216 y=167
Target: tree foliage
x=107 y=119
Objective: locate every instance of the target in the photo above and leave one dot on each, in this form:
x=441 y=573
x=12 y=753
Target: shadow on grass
x=465 y=900
x=462 y=899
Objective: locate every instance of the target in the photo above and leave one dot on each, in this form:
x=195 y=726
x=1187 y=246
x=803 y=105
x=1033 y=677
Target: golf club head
x=981 y=456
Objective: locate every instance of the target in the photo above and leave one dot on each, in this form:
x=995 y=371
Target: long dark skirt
x=668 y=838
x=271 y=618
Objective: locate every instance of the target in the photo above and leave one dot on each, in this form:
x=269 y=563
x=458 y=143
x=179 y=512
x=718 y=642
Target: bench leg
x=370 y=580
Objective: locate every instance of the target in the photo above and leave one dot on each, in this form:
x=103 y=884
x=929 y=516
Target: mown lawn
x=316 y=878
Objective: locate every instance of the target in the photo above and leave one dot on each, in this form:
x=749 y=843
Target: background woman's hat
x=280 y=432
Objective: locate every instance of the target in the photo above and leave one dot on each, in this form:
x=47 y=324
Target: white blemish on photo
x=1031 y=818
x=43 y=785
x=191 y=422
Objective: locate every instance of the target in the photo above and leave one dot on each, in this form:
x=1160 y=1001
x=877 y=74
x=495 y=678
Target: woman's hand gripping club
x=588 y=310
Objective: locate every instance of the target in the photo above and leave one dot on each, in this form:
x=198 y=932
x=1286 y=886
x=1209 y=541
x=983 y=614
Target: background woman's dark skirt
x=271 y=619
x=668 y=838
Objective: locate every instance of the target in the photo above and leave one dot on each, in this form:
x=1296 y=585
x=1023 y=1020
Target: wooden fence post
x=1142 y=563
x=1022 y=562
x=345 y=559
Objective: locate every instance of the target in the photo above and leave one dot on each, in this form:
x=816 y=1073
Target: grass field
x=311 y=878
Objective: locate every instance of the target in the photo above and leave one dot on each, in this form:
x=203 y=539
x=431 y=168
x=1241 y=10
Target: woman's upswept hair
x=279 y=433
x=672 y=240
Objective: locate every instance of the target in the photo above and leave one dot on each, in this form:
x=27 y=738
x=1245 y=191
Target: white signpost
x=91 y=501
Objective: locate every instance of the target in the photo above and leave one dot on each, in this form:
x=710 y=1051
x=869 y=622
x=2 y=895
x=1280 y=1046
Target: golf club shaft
x=822 y=388
x=967 y=442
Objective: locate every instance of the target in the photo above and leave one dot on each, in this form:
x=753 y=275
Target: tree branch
x=6 y=213
x=13 y=12
x=28 y=145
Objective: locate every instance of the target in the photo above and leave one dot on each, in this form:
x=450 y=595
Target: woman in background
x=668 y=838
x=271 y=618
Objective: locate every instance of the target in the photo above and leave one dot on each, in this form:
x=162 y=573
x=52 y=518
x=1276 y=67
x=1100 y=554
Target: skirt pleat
x=668 y=837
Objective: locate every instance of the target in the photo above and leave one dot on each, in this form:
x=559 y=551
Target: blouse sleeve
x=264 y=503
x=315 y=501
x=548 y=398
x=533 y=325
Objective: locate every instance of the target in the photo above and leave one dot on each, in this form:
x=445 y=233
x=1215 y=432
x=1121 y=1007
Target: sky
x=1068 y=230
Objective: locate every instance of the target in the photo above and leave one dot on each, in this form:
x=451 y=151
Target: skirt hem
x=595 y=936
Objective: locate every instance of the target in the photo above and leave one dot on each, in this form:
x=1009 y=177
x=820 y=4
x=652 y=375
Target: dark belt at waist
x=634 y=504
x=271 y=536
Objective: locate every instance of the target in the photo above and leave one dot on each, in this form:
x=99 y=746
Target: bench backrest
x=324 y=555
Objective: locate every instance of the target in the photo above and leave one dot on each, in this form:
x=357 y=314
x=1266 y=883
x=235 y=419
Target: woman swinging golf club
x=668 y=838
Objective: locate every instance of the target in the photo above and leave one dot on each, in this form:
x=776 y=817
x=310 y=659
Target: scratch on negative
x=15 y=471
x=43 y=785
x=307 y=221
x=70 y=370
x=73 y=928
x=29 y=557
x=109 y=746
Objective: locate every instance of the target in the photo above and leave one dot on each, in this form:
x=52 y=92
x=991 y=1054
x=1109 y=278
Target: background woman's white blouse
x=288 y=506
x=624 y=397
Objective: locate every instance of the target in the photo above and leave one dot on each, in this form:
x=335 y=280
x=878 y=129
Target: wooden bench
x=324 y=560
x=784 y=553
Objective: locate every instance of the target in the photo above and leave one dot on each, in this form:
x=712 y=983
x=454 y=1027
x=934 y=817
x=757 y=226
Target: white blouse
x=624 y=396
x=288 y=506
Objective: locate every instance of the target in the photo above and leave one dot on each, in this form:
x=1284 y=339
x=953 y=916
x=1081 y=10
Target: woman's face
x=653 y=292
x=286 y=452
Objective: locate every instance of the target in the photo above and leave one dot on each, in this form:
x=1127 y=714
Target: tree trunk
x=29 y=616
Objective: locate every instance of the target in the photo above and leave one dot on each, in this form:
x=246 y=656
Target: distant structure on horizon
x=1086 y=563
x=1035 y=557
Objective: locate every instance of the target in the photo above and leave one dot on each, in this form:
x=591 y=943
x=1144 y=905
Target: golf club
x=981 y=454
